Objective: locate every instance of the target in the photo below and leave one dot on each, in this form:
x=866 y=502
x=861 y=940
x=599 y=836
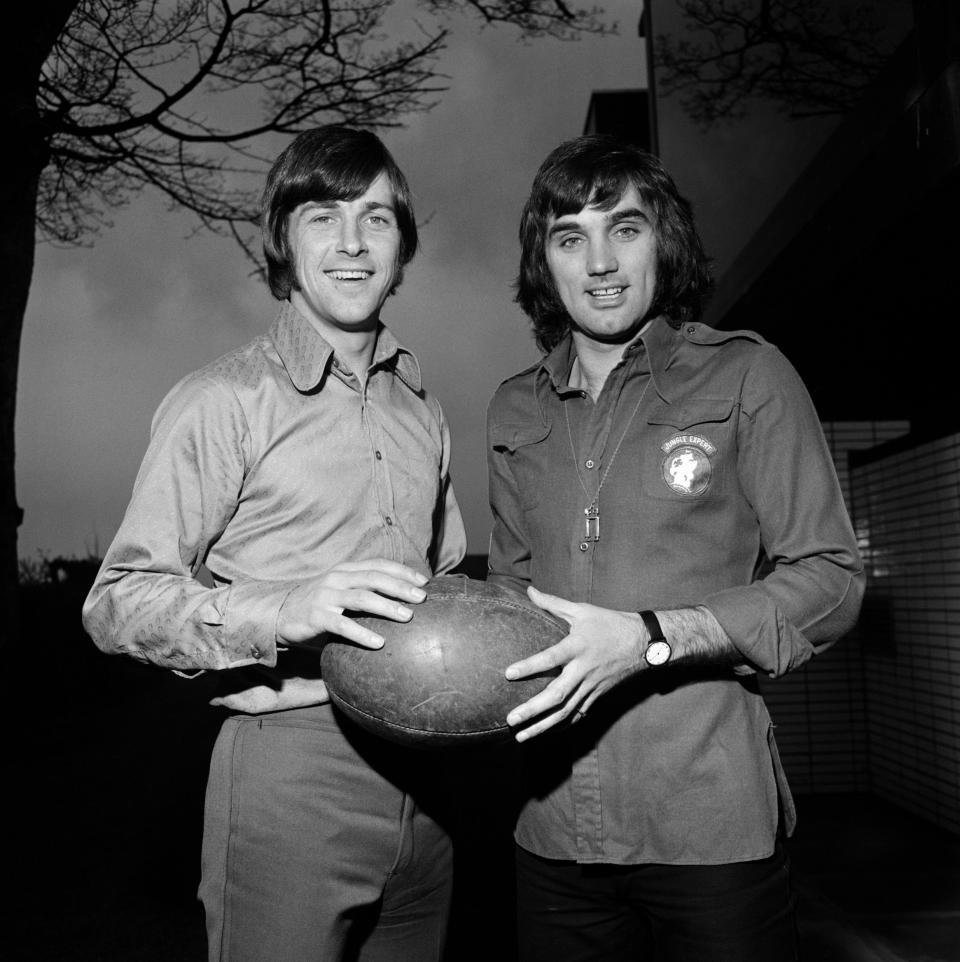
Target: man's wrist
x=657 y=650
x=696 y=638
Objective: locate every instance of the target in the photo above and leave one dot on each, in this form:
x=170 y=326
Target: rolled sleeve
x=812 y=595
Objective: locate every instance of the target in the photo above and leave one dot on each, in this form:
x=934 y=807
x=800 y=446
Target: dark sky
x=112 y=327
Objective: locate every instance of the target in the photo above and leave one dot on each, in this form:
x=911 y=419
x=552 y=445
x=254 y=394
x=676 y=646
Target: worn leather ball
x=438 y=679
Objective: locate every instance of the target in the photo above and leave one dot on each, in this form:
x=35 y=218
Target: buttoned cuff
x=250 y=622
x=759 y=630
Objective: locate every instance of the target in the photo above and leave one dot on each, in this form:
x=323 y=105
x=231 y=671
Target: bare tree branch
x=103 y=98
x=808 y=57
x=176 y=95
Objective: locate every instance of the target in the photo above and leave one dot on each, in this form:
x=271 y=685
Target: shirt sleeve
x=509 y=553
x=450 y=540
x=147 y=600
x=812 y=595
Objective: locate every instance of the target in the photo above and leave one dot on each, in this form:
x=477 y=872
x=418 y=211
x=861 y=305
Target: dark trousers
x=739 y=912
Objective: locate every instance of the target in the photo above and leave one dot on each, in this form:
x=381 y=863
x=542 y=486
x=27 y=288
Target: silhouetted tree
x=102 y=98
x=808 y=57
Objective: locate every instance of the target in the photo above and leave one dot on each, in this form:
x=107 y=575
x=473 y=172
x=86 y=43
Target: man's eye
x=568 y=242
x=627 y=231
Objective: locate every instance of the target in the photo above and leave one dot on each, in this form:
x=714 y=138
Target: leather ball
x=438 y=679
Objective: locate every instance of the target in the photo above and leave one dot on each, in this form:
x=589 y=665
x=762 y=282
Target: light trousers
x=320 y=845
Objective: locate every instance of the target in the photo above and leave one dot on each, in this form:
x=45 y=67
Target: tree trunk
x=35 y=28
x=18 y=201
x=18 y=197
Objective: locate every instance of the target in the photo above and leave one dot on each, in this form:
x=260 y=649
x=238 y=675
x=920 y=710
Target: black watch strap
x=653 y=625
x=658 y=651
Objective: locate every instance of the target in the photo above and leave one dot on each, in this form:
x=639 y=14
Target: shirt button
x=388 y=519
x=255 y=652
x=588 y=463
x=691 y=330
x=584 y=546
x=379 y=456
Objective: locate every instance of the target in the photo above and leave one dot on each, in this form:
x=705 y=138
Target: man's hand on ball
x=602 y=648
x=376 y=587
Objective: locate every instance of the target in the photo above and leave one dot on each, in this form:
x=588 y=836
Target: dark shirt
x=723 y=468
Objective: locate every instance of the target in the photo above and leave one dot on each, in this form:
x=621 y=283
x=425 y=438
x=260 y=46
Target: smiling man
x=299 y=478
x=641 y=473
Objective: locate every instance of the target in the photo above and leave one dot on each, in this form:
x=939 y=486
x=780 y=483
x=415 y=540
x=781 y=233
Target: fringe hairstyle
x=596 y=171
x=327 y=163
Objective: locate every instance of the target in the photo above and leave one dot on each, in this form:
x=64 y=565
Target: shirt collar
x=306 y=354
x=659 y=340
x=389 y=352
x=556 y=364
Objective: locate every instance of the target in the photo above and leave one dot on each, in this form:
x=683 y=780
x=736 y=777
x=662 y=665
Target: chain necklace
x=592 y=510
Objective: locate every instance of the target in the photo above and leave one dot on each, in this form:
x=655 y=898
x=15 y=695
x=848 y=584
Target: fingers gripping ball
x=438 y=680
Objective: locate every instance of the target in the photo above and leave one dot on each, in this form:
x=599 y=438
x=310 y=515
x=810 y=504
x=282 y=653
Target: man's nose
x=601 y=257
x=351 y=238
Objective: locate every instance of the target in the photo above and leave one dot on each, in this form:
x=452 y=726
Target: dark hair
x=596 y=171
x=328 y=163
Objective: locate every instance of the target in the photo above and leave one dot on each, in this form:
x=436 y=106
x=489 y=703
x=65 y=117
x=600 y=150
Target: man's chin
x=358 y=325
x=619 y=336
x=354 y=317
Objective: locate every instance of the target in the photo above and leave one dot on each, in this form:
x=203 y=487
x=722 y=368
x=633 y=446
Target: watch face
x=657 y=653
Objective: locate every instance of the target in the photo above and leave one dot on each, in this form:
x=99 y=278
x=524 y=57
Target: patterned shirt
x=714 y=469
x=265 y=469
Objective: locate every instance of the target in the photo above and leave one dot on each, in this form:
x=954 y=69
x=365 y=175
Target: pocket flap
x=690 y=411
x=512 y=436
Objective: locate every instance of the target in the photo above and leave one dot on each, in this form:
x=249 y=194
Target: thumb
x=556 y=606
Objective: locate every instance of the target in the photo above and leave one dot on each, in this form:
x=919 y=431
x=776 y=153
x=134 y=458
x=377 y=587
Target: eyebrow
x=628 y=213
x=335 y=202
x=570 y=222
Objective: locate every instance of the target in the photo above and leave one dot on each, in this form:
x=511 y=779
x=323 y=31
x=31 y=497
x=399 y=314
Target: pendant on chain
x=592 y=523
x=591 y=526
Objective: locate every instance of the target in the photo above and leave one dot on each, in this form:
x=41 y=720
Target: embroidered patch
x=686 y=468
x=694 y=439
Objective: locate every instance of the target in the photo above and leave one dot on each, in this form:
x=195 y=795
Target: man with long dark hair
x=295 y=480
x=666 y=489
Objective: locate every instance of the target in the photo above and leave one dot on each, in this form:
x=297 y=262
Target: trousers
x=738 y=912
x=320 y=845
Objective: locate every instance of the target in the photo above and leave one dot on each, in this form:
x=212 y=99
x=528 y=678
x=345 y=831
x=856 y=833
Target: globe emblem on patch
x=687 y=470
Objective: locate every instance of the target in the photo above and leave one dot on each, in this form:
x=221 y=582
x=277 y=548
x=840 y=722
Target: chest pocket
x=524 y=449
x=690 y=452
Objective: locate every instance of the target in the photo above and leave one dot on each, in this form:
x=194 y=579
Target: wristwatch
x=658 y=650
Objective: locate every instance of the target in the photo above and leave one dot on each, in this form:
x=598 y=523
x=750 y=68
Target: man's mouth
x=349 y=275
x=608 y=293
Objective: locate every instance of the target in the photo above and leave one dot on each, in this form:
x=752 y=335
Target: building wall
x=820 y=712
x=907 y=510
